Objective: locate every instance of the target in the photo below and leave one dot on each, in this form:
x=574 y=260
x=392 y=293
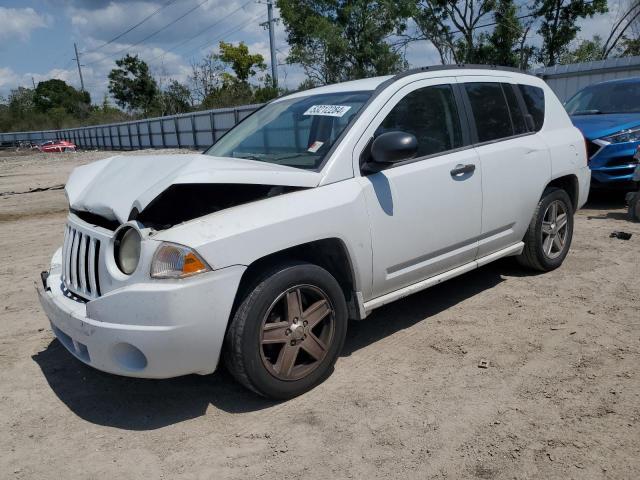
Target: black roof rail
x=457 y=66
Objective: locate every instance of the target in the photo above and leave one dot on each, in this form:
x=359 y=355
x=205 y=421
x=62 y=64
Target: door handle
x=460 y=170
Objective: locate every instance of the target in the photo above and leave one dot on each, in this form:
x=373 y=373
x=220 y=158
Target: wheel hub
x=298 y=331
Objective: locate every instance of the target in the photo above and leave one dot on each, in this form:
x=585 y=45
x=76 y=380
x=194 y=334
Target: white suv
x=318 y=208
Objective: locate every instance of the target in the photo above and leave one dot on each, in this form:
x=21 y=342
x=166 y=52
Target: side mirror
x=392 y=147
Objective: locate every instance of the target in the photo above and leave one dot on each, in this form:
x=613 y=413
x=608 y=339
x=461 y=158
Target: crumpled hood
x=112 y=187
x=602 y=125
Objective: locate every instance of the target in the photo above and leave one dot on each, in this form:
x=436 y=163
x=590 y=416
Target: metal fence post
x=110 y=137
x=176 y=127
x=138 y=133
x=164 y=142
x=193 y=131
x=129 y=135
x=150 y=135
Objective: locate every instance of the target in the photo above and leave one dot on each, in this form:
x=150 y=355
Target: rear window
x=534 y=100
x=490 y=111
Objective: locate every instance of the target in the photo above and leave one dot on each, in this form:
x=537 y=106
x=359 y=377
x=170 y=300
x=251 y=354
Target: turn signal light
x=176 y=261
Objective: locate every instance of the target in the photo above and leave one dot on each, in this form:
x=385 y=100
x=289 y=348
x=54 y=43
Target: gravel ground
x=560 y=398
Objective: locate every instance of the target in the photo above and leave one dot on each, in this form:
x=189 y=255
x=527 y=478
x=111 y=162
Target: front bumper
x=159 y=329
x=613 y=164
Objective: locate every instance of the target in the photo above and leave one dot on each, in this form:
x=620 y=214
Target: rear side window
x=430 y=114
x=490 y=111
x=534 y=100
x=517 y=115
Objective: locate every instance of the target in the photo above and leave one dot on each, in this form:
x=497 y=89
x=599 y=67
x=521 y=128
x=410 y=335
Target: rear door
x=515 y=160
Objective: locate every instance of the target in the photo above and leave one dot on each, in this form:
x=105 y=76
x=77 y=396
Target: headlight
x=630 y=135
x=176 y=261
x=127 y=250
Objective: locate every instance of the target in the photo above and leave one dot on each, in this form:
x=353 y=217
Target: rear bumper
x=155 y=330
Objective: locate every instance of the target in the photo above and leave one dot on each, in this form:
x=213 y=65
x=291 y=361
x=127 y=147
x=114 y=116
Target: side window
x=431 y=115
x=490 y=111
x=534 y=100
x=517 y=115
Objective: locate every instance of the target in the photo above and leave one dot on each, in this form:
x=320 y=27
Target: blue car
x=608 y=114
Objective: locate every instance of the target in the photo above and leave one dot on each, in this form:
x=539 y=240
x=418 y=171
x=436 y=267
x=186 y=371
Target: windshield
x=297 y=132
x=606 y=98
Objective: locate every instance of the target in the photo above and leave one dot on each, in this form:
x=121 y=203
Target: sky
x=37 y=37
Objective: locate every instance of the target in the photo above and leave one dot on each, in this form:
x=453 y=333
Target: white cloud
x=20 y=22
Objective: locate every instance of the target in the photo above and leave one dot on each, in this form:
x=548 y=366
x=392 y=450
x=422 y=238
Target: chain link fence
x=197 y=130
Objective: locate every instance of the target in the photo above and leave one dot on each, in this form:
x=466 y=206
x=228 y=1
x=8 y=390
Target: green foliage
x=132 y=86
x=336 y=41
x=503 y=45
x=559 y=24
x=451 y=26
x=585 y=51
x=19 y=113
x=630 y=47
x=243 y=63
x=56 y=94
x=222 y=80
x=176 y=98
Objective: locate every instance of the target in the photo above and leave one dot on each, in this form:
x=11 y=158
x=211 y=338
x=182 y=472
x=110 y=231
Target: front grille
x=80 y=255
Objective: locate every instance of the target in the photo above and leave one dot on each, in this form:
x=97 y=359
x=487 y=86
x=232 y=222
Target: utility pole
x=33 y=82
x=77 y=59
x=272 y=43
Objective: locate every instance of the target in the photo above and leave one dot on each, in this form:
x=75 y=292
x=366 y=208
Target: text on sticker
x=328 y=110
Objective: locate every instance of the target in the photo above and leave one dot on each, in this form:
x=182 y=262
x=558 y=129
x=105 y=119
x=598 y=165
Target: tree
x=503 y=45
x=206 y=77
x=176 y=98
x=342 y=40
x=559 y=24
x=243 y=63
x=56 y=94
x=585 y=51
x=452 y=27
x=618 y=41
x=132 y=86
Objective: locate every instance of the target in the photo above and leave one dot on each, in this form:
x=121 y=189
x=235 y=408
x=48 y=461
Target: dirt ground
x=560 y=399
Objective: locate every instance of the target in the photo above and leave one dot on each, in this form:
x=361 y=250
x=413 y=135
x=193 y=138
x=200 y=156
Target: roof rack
x=436 y=68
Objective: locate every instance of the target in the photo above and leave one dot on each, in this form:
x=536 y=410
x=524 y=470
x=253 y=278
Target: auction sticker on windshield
x=328 y=110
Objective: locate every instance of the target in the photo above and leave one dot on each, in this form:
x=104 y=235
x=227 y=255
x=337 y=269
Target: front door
x=425 y=213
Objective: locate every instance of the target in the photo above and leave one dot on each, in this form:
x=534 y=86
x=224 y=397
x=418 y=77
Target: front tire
x=548 y=239
x=287 y=331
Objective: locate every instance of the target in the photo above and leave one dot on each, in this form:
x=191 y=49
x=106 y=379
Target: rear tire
x=287 y=332
x=548 y=238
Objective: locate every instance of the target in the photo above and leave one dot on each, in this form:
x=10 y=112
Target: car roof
x=371 y=84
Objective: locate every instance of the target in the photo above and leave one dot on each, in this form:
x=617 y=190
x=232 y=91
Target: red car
x=57 y=146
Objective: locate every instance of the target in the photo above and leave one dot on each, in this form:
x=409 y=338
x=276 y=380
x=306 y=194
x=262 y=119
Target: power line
x=180 y=44
x=152 y=34
x=225 y=34
x=131 y=28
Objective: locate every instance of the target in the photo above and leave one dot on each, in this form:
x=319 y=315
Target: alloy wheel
x=554 y=229
x=297 y=332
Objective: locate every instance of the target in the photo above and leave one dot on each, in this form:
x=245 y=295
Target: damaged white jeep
x=318 y=208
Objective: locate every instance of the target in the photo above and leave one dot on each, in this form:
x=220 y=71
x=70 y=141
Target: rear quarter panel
x=566 y=145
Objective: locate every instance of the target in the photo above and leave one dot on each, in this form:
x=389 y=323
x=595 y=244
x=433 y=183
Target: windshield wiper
x=588 y=112
x=249 y=156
